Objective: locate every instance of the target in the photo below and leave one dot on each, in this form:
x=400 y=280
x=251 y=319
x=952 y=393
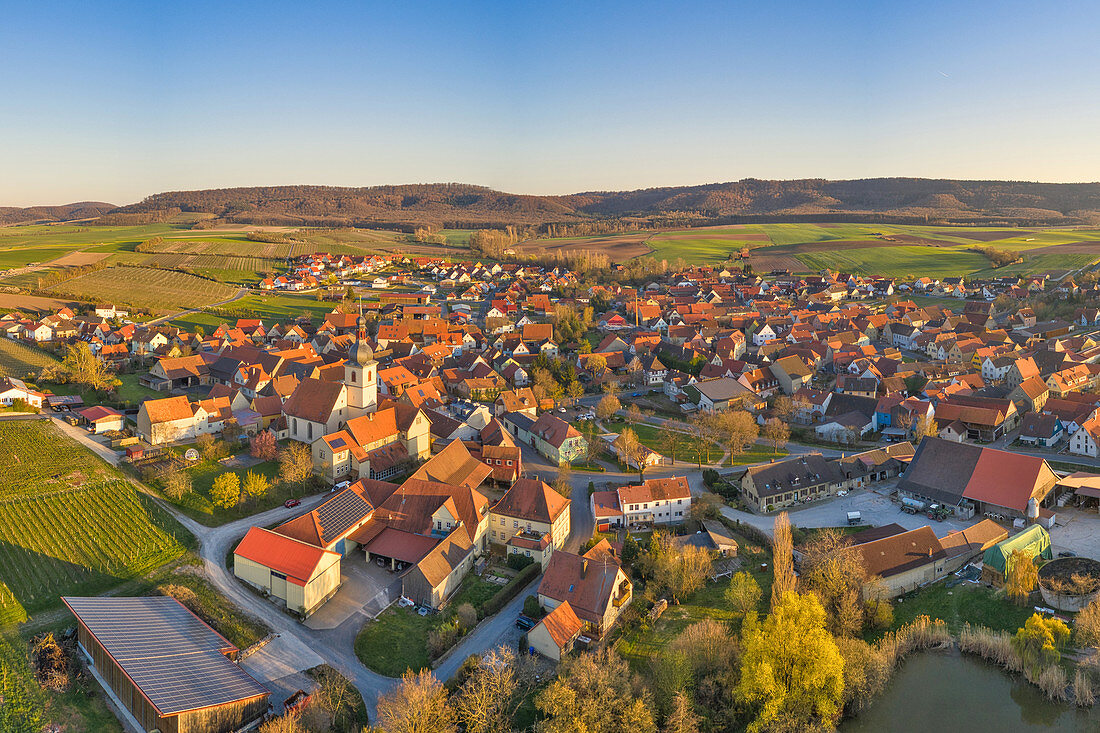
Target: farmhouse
x=903 y=561
x=170 y=671
x=174 y=419
x=593 y=584
x=14 y=390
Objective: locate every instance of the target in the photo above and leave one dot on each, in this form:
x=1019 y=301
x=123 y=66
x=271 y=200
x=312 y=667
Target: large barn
x=989 y=480
x=169 y=670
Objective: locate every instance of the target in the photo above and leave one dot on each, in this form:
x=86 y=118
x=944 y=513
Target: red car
x=291 y=503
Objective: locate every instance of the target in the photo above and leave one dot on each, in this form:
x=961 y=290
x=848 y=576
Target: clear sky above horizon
x=116 y=101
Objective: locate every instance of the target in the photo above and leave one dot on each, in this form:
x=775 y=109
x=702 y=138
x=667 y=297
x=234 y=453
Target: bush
x=518 y=562
x=467 y=616
x=508 y=592
x=196 y=502
x=710 y=477
x=531 y=607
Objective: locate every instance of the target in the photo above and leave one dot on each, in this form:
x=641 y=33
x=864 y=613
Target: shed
x=1034 y=540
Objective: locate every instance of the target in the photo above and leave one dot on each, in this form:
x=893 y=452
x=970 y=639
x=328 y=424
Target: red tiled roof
x=562 y=624
x=297 y=560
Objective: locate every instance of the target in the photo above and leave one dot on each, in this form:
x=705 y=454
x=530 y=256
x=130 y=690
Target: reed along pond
x=946 y=691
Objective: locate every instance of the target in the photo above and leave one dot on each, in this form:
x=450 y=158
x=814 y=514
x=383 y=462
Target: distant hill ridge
x=64 y=212
x=455 y=204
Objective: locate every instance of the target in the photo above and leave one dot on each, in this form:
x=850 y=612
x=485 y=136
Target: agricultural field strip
x=18 y=360
x=35 y=453
x=146 y=287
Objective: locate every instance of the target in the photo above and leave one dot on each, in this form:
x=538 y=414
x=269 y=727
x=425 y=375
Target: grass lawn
x=398 y=639
x=128 y=394
x=755 y=454
x=965 y=602
x=691 y=449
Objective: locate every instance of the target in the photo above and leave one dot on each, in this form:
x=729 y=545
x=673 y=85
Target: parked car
x=525 y=623
x=341 y=486
x=291 y=503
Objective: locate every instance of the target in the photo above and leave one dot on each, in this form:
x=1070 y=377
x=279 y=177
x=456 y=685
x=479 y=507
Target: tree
x=743 y=594
x=289 y=723
x=488 y=698
x=737 y=429
x=1021 y=576
x=633 y=414
x=704 y=427
x=681 y=719
x=597 y=364
x=1086 y=627
x=264 y=446
x=295 y=463
x=1039 y=642
x=177 y=484
x=678 y=570
x=226 y=490
x=334 y=699
x=777 y=433
x=835 y=573
x=467 y=616
x=631 y=450
x=595 y=693
x=255 y=485
x=80 y=366
x=782 y=559
x=791 y=669
x=670 y=440
x=417 y=705
x=607 y=407
x=924 y=427
x=574 y=390
x=563 y=483
x=783 y=408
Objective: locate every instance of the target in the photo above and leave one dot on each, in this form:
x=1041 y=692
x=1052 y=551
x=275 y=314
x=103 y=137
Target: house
x=606 y=510
x=516 y=400
x=792 y=373
x=713 y=395
x=593 y=584
x=655 y=501
x=790 y=481
x=1086 y=440
x=165 y=667
x=377 y=445
x=177 y=373
x=1040 y=429
x=174 y=419
x=554 y=635
x=102 y=419
x=556 y=440
x=972 y=479
x=301 y=575
x=531 y=519
x=902 y=562
x=14 y=390
x=846 y=428
x=316 y=408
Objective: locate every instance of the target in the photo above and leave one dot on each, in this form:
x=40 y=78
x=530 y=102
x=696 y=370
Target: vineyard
x=37 y=458
x=213 y=262
x=18 y=360
x=241 y=248
x=145 y=287
x=24 y=702
x=78 y=542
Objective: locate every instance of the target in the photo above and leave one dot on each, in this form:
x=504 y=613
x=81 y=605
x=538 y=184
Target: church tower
x=361 y=374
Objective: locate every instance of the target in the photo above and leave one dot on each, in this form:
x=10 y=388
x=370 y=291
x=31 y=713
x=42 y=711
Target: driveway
x=1077 y=531
x=366 y=591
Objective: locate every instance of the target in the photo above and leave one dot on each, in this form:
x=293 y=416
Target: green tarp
x=1034 y=541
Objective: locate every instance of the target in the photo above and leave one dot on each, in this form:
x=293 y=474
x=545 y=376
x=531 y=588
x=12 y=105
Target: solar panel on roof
x=174 y=658
x=340 y=513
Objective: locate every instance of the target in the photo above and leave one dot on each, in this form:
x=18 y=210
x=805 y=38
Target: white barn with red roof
x=302 y=575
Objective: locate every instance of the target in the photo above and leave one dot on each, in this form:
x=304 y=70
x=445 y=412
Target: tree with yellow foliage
x=1039 y=643
x=1021 y=576
x=791 y=669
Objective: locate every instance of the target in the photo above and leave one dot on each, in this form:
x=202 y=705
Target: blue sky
x=114 y=101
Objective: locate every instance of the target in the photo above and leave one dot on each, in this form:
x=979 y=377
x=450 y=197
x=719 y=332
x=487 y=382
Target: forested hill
x=455 y=204
x=64 y=212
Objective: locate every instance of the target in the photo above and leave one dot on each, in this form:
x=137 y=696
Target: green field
x=691 y=449
x=271 y=308
x=69 y=523
x=18 y=360
x=145 y=287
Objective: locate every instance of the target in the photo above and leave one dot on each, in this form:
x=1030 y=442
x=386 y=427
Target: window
x=509 y=462
x=322 y=455
x=515 y=524
x=353 y=375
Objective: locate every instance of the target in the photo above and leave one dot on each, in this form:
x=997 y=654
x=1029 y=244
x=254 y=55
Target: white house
x=656 y=501
x=1086 y=441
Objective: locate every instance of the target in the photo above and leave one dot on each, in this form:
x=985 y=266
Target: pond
x=945 y=691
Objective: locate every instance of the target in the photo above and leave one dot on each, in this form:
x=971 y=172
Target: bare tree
x=607 y=407
x=488 y=698
x=417 y=705
x=671 y=440
x=631 y=450
x=782 y=559
x=777 y=433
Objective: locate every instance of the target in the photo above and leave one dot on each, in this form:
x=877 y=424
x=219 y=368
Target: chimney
x=584 y=567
